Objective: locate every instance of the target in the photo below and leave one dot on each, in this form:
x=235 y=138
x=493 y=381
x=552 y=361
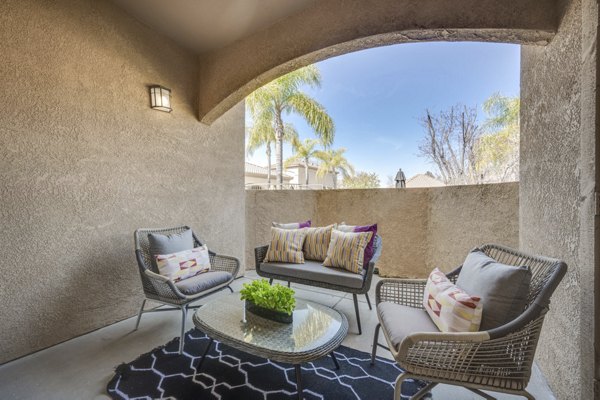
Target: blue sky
x=376 y=96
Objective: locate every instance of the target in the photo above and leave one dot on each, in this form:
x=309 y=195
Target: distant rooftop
x=257 y=170
x=423 y=180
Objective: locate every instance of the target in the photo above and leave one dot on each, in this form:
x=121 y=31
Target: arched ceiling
x=245 y=44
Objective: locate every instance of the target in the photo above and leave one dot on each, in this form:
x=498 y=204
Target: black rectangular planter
x=268 y=313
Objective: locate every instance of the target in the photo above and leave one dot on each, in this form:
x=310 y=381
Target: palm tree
x=303 y=151
x=261 y=133
x=334 y=161
x=283 y=95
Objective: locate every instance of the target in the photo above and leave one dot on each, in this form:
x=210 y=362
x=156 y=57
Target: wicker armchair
x=498 y=360
x=162 y=290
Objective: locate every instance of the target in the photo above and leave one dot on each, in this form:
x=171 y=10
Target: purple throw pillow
x=305 y=224
x=369 y=249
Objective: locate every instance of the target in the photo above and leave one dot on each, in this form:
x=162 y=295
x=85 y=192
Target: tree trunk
x=279 y=149
x=269 y=164
x=306 y=171
x=334 y=179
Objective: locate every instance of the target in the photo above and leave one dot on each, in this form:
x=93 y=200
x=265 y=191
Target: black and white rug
x=231 y=374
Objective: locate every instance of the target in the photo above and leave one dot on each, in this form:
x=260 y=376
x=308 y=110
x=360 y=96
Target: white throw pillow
x=183 y=264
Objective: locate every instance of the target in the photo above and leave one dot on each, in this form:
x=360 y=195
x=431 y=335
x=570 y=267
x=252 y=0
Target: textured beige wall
x=557 y=185
x=333 y=27
x=421 y=228
x=84 y=161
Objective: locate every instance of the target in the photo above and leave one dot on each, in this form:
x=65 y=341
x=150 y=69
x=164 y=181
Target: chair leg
x=137 y=323
x=229 y=287
x=288 y=283
x=424 y=391
x=271 y=281
x=368 y=301
x=182 y=337
x=355 y=297
x=375 y=341
x=483 y=394
x=398 y=387
x=528 y=395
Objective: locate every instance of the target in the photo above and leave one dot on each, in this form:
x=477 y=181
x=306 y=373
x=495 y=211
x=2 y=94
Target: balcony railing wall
x=421 y=228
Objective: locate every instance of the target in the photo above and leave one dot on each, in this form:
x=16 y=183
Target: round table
x=316 y=331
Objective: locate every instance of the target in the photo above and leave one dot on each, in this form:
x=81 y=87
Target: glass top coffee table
x=316 y=331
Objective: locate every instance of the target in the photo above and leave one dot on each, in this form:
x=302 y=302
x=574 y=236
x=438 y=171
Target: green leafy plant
x=275 y=297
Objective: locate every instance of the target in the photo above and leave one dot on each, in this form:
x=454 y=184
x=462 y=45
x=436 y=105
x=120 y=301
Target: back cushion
x=450 y=308
x=503 y=288
x=168 y=244
x=291 y=225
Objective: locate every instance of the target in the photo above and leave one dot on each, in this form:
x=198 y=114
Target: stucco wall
x=84 y=161
x=421 y=228
x=557 y=185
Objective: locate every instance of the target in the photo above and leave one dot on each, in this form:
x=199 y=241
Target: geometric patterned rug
x=228 y=373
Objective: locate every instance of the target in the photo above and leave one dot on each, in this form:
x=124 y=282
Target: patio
x=85 y=160
x=92 y=358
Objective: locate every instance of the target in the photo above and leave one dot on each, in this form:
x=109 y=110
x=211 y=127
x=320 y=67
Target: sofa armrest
x=406 y=292
x=259 y=255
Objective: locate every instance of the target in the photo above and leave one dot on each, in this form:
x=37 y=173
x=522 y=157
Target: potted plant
x=274 y=302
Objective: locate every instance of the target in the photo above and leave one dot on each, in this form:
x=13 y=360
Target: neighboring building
x=297 y=171
x=255 y=177
x=423 y=180
x=293 y=177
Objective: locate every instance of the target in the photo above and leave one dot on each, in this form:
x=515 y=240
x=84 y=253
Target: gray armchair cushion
x=400 y=321
x=167 y=244
x=202 y=282
x=314 y=271
x=503 y=288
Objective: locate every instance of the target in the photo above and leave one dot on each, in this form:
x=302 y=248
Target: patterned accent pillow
x=292 y=225
x=451 y=309
x=183 y=264
x=369 y=250
x=286 y=246
x=316 y=242
x=347 y=250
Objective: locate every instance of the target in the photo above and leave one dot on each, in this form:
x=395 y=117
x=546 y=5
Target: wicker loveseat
x=313 y=273
x=498 y=360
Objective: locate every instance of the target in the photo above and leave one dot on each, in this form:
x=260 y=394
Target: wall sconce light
x=160 y=98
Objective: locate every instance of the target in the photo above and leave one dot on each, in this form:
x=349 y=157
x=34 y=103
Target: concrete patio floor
x=80 y=368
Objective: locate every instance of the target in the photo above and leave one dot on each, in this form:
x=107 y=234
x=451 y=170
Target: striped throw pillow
x=316 y=242
x=286 y=246
x=451 y=309
x=347 y=250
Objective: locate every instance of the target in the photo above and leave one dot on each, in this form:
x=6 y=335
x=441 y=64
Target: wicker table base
x=316 y=332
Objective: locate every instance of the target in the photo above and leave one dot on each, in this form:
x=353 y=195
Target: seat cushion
x=400 y=321
x=314 y=271
x=202 y=282
x=503 y=289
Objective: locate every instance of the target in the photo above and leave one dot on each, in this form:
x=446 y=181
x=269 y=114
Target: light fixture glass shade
x=160 y=98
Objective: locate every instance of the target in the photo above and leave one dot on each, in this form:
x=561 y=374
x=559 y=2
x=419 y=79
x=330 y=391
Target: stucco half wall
x=84 y=161
x=333 y=27
x=421 y=228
